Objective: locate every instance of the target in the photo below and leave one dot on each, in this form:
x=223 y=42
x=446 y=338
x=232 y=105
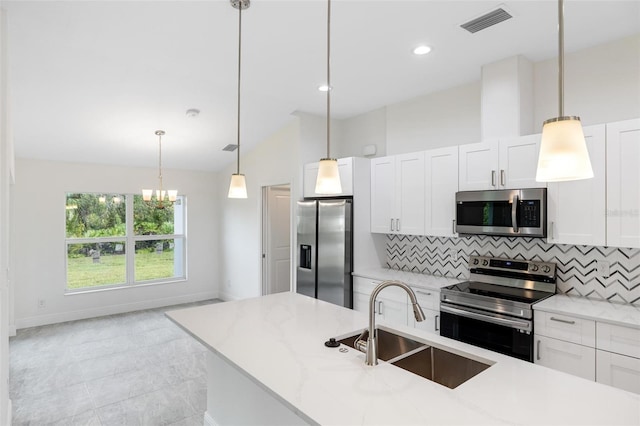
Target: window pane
x=150 y=219
x=95 y=215
x=159 y=259
x=95 y=264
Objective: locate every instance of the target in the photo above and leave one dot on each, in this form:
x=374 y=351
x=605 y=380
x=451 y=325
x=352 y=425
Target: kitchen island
x=268 y=365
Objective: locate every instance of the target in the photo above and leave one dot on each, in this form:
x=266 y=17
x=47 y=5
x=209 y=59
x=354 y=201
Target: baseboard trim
x=11 y=329
x=227 y=297
x=39 y=320
x=208 y=420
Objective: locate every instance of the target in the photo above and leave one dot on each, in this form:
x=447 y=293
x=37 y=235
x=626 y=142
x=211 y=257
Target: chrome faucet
x=371 y=347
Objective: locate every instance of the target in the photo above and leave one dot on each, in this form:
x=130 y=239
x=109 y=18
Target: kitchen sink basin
x=438 y=365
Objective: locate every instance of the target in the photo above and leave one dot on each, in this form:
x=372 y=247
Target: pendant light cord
x=239 y=64
x=160 y=164
x=328 y=76
x=561 y=58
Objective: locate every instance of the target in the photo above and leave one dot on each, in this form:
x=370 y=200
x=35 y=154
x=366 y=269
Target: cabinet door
x=431 y=321
x=410 y=194
x=478 y=166
x=623 y=184
x=383 y=195
x=576 y=210
x=518 y=158
x=361 y=302
x=619 y=371
x=441 y=184
x=391 y=311
x=564 y=356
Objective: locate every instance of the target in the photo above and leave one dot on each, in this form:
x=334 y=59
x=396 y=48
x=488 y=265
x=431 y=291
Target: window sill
x=123 y=286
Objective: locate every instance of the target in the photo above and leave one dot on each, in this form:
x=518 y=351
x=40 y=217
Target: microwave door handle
x=514 y=213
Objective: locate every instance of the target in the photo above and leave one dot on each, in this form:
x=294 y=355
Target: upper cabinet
x=397 y=194
x=623 y=183
x=576 y=209
x=441 y=185
x=507 y=164
x=345 y=168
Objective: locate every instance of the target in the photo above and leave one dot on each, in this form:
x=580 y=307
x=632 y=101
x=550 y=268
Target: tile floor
x=129 y=369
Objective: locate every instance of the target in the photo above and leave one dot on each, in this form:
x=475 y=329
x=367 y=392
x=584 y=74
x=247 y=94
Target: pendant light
x=161 y=194
x=328 y=180
x=563 y=150
x=238 y=185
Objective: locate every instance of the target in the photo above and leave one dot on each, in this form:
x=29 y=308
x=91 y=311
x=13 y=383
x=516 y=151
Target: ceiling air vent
x=231 y=147
x=487 y=20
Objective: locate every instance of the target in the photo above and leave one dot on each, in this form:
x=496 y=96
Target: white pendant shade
x=328 y=181
x=563 y=151
x=147 y=194
x=238 y=186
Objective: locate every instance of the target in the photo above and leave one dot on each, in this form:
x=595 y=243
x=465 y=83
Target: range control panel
x=499 y=266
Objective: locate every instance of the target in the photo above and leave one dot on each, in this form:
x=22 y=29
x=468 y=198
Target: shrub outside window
x=116 y=240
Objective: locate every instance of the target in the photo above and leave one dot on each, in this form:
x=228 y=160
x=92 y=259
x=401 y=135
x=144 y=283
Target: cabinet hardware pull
x=435 y=325
x=380 y=307
x=391 y=226
x=493 y=178
x=552 y=229
x=503 y=180
x=397 y=224
x=562 y=320
x=453 y=224
x=538 y=350
x=426 y=293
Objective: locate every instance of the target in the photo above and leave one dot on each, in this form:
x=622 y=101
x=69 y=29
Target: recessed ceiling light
x=324 y=88
x=421 y=50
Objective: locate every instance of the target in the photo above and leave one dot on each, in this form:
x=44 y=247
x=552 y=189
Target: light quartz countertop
x=277 y=342
x=413 y=279
x=597 y=310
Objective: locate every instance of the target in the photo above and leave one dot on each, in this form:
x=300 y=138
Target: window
x=118 y=240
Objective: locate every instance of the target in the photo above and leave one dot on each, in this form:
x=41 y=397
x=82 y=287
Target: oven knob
x=485 y=262
x=546 y=269
x=475 y=261
x=534 y=268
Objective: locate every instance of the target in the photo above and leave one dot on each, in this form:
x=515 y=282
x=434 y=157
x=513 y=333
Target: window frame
x=129 y=240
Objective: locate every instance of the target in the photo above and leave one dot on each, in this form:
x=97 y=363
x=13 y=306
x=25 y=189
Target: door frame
x=264 y=238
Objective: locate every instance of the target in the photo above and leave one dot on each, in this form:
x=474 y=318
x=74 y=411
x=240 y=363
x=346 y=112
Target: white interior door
x=277 y=239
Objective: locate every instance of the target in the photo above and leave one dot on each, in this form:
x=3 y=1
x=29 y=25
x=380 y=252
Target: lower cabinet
x=594 y=350
x=618 y=370
x=391 y=303
x=565 y=356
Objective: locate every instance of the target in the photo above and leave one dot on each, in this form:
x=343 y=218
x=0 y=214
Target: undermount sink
x=432 y=363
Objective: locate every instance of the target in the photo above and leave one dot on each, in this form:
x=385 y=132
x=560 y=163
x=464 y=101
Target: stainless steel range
x=494 y=309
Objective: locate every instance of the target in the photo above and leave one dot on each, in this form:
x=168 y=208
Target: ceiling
x=90 y=81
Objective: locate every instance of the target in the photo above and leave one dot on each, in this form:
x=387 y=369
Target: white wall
x=602 y=84
x=365 y=129
x=39 y=225
x=6 y=163
x=274 y=161
x=446 y=118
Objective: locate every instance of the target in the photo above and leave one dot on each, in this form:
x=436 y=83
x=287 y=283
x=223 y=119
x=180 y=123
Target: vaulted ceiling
x=91 y=81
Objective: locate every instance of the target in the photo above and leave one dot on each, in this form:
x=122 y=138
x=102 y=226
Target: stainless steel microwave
x=509 y=212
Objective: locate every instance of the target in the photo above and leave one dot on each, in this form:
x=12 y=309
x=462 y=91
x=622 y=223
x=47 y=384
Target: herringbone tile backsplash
x=576 y=265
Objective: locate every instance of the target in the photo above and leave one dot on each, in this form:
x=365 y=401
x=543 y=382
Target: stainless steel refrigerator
x=325 y=250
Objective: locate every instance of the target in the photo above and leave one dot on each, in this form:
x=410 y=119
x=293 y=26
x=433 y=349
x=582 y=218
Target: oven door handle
x=520 y=325
x=514 y=213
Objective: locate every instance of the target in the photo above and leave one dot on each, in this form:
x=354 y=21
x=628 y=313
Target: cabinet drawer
x=564 y=356
x=619 y=371
x=427 y=299
x=431 y=321
x=367 y=285
x=618 y=339
x=565 y=327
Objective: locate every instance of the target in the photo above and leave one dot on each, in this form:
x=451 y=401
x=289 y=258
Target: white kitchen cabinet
x=619 y=339
x=429 y=301
x=617 y=370
x=576 y=209
x=564 y=356
x=623 y=184
x=441 y=185
x=345 y=169
x=505 y=164
x=391 y=303
x=397 y=194
x=565 y=327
